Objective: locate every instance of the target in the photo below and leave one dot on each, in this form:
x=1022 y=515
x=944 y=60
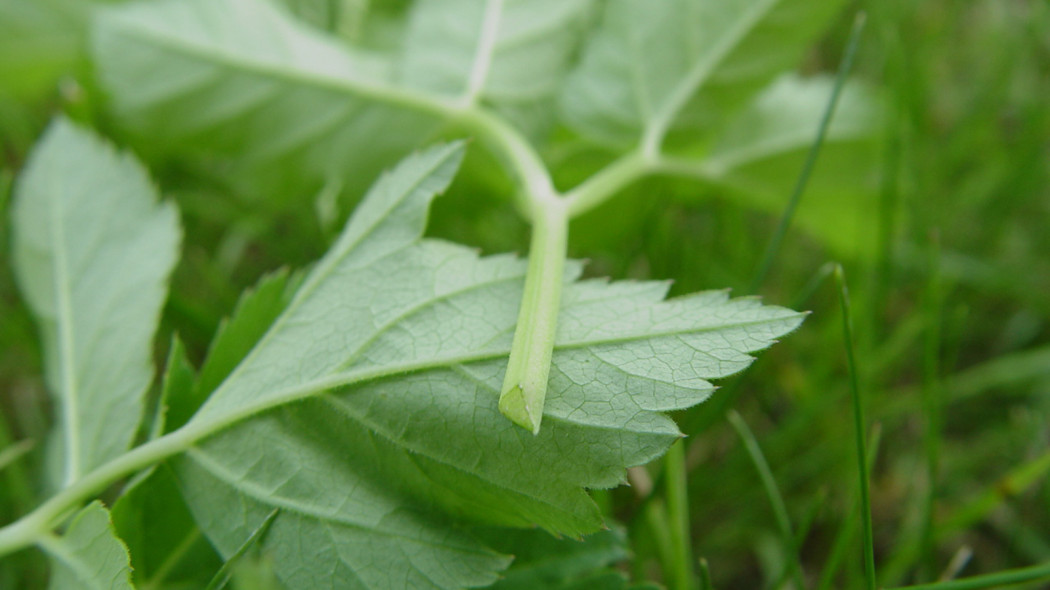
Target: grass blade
x=1033 y=573
x=776 y=500
x=811 y=158
x=844 y=536
x=859 y=430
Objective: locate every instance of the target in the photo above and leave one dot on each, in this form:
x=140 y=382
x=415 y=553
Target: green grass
x=951 y=328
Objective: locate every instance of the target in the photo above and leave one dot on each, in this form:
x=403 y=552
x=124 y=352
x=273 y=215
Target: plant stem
x=608 y=181
x=34 y=526
x=525 y=383
x=682 y=574
x=516 y=154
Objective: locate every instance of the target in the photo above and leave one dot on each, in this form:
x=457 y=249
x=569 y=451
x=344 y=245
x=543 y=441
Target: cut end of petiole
x=514 y=404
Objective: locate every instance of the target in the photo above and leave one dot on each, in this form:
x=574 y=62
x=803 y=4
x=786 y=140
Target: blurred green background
x=950 y=300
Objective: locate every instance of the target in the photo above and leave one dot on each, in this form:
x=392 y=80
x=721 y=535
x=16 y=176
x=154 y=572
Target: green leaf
x=92 y=251
x=89 y=556
x=165 y=543
x=240 y=86
x=761 y=150
x=654 y=67
x=257 y=308
x=784 y=118
x=542 y=561
x=394 y=348
x=508 y=54
x=176 y=389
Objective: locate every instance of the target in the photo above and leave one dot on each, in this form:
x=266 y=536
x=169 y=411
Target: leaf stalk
x=525 y=383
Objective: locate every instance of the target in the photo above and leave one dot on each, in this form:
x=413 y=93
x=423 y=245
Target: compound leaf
x=93 y=250
x=393 y=349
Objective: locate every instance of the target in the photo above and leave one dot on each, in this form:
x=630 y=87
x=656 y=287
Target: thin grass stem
x=1035 y=573
x=859 y=431
x=776 y=500
x=705 y=575
x=811 y=158
x=846 y=533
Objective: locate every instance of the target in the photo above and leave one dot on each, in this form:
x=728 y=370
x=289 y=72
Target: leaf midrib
x=221 y=55
x=62 y=284
x=699 y=73
x=217 y=422
x=327 y=267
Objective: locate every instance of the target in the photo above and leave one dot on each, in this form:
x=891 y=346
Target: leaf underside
x=367 y=412
x=92 y=251
x=688 y=62
x=393 y=350
x=89 y=556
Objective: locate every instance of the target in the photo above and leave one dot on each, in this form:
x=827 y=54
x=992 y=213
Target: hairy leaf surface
x=92 y=250
x=394 y=348
x=656 y=66
x=89 y=556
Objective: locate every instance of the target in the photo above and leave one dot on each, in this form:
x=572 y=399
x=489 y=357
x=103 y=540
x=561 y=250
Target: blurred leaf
x=683 y=63
x=92 y=252
x=509 y=54
x=89 y=556
x=39 y=41
x=761 y=151
x=240 y=87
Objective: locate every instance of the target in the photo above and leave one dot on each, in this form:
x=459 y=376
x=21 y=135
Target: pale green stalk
x=36 y=525
x=682 y=574
x=525 y=383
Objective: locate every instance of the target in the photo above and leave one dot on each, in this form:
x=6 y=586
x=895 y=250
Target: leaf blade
x=688 y=63
x=89 y=555
x=394 y=348
x=93 y=250
x=280 y=109
x=511 y=55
